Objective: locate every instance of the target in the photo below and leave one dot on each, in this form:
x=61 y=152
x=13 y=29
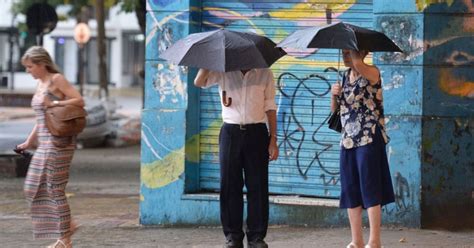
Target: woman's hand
x=356 y=55
x=23 y=146
x=47 y=102
x=336 y=89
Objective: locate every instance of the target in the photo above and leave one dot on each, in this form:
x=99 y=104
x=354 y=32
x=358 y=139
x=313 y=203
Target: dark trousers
x=243 y=158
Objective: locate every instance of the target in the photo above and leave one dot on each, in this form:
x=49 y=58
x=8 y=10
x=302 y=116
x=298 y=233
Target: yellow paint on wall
x=236 y=14
x=142 y=197
x=193 y=147
x=289 y=61
x=422 y=4
x=312 y=9
x=162 y=172
x=455 y=86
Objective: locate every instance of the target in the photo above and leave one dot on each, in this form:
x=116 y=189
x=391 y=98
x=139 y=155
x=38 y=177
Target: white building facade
x=125 y=50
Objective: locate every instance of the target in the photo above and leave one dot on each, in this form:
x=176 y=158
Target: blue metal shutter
x=309 y=151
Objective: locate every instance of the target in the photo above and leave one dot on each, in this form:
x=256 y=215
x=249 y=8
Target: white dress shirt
x=253 y=94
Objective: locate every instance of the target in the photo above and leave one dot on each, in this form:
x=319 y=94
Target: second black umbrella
x=340 y=36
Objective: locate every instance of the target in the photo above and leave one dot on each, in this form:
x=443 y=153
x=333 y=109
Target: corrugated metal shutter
x=309 y=151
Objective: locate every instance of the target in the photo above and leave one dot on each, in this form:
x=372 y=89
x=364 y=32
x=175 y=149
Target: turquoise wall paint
x=413 y=96
x=402 y=76
x=433 y=85
x=309 y=151
x=448 y=123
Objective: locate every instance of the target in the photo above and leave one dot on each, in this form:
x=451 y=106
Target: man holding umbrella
x=238 y=62
x=245 y=145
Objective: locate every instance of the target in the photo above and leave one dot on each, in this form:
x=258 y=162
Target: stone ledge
x=12 y=165
x=15 y=99
x=274 y=199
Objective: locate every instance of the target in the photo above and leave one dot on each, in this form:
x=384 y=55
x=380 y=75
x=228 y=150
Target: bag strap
x=342 y=86
x=49 y=93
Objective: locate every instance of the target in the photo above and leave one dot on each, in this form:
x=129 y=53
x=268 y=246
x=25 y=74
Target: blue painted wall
x=448 y=121
x=431 y=87
x=428 y=98
x=402 y=76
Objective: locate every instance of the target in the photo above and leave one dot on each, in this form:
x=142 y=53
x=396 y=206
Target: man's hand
x=273 y=149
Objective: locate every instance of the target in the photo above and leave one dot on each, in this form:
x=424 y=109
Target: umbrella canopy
x=341 y=36
x=224 y=50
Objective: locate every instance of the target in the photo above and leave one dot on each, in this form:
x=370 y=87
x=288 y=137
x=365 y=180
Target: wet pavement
x=103 y=192
x=104 y=195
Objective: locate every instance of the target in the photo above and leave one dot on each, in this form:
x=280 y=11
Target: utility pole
x=101 y=49
x=12 y=38
x=82 y=35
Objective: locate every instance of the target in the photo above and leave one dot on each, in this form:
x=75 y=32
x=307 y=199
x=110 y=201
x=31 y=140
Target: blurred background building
x=125 y=48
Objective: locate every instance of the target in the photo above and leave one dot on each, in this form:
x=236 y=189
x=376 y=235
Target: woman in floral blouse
x=365 y=176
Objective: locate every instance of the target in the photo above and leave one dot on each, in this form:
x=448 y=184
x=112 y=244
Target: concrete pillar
x=429 y=104
x=164 y=117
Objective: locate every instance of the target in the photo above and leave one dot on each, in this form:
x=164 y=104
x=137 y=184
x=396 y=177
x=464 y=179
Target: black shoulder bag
x=335 y=121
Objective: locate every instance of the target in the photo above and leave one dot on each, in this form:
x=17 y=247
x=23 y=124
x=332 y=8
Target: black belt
x=245 y=126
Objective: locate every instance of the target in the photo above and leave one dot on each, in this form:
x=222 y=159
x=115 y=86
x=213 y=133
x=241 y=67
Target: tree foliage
x=20 y=7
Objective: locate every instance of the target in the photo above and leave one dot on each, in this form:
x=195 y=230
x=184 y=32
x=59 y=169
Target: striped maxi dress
x=47 y=177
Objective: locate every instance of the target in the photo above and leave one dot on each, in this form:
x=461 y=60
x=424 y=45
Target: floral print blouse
x=361 y=108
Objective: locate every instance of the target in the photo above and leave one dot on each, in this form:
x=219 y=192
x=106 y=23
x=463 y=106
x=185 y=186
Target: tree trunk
x=101 y=49
x=140 y=12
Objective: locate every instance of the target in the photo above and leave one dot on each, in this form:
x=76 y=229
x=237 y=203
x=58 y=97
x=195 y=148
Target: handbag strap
x=342 y=86
x=52 y=96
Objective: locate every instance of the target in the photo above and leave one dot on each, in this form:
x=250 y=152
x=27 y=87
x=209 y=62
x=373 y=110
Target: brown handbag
x=67 y=120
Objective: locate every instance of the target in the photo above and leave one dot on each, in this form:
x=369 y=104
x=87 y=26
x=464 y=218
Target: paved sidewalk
x=104 y=195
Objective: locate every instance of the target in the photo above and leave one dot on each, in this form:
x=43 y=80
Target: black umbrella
x=224 y=50
x=341 y=36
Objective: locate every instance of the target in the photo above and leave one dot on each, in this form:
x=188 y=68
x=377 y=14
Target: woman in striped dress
x=48 y=173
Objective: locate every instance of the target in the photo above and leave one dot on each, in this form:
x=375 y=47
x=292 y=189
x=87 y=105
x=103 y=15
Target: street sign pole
x=81 y=36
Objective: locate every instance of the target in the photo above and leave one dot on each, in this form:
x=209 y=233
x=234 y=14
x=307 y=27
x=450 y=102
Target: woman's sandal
x=368 y=246
x=61 y=244
x=352 y=245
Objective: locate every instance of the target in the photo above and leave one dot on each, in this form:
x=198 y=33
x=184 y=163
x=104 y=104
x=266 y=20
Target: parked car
x=98 y=127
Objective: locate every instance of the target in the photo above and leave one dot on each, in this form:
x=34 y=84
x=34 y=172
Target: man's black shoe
x=258 y=244
x=234 y=244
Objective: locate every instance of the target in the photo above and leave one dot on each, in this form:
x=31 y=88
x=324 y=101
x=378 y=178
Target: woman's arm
x=72 y=96
x=367 y=71
x=335 y=93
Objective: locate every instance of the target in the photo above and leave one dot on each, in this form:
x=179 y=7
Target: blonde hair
x=39 y=55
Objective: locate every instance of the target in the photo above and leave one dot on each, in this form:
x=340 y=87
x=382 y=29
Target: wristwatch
x=56 y=103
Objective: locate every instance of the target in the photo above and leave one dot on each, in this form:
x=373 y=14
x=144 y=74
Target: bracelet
x=274 y=136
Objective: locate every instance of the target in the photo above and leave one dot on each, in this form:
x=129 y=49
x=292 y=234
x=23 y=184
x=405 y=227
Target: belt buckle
x=242 y=127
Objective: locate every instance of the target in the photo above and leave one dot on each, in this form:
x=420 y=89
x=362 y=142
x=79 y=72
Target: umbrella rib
x=225 y=55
